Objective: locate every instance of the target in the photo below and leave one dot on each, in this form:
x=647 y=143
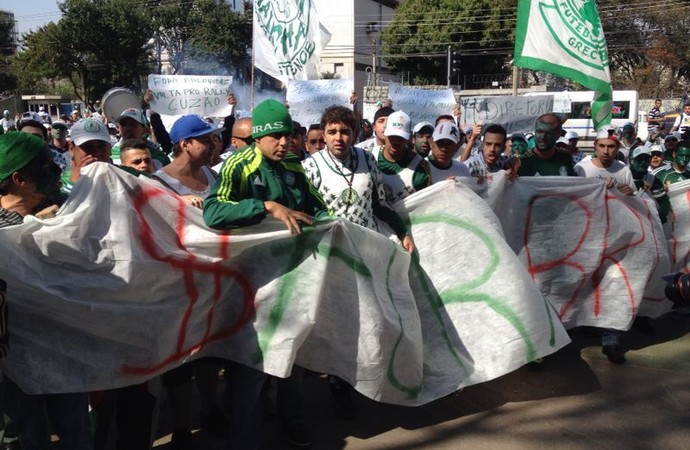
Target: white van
x=579 y=119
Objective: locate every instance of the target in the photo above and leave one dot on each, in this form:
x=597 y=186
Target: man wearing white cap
x=446 y=139
x=421 y=138
x=404 y=172
x=90 y=143
x=133 y=125
x=645 y=181
x=572 y=138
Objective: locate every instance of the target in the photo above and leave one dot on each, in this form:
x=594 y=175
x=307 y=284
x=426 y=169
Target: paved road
x=575 y=400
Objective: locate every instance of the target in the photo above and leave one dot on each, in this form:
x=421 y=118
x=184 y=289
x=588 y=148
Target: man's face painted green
x=519 y=147
x=682 y=157
x=641 y=163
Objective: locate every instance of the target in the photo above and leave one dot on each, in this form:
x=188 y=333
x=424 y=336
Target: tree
x=38 y=66
x=221 y=41
x=173 y=25
x=647 y=45
x=7 y=49
x=105 y=43
x=418 y=37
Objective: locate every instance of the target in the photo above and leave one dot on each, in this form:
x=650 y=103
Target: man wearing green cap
x=28 y=180
x=254 y=183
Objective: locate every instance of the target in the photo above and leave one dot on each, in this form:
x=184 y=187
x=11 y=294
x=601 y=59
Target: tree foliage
x=648 y=45
x=99 y=44
x=480 y=30
x=7 y=80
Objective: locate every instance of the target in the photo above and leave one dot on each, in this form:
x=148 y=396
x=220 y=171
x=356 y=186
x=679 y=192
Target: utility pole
x=448 y=63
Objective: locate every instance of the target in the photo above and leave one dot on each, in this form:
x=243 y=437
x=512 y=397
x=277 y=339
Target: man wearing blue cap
x=189 y=175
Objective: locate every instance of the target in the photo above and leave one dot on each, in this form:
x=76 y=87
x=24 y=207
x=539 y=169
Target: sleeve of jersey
x=314 y=203
x=228 y=205
x=382 y=209
x=422 y=176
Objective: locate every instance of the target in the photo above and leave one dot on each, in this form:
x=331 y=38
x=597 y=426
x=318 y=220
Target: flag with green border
x=565 y=38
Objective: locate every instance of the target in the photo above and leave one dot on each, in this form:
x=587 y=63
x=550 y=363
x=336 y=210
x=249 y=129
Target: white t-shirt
x=181 y=189
x=618 y=171
x=456 y=169
x=681 y=122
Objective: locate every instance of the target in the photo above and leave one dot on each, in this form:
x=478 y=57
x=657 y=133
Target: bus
x=579 y=119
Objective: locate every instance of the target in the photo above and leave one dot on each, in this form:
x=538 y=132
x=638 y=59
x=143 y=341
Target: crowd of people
x=243 y=170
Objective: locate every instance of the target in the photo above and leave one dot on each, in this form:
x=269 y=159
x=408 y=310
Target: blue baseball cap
x=190 y=126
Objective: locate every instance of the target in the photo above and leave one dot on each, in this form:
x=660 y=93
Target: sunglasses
x=247 y=140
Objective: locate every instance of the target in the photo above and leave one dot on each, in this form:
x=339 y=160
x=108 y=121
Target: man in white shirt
x=605 y=166
x=446 y=138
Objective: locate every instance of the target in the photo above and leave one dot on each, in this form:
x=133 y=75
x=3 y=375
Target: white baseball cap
x=86 y=130
x=571 y=135
x=417 y=128
x=446 y=130
x=398 y=124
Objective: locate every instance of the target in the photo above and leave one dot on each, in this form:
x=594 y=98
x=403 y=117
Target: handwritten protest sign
x=422 y=105
x=516 y=114
x=175 y=95
x=309 y=98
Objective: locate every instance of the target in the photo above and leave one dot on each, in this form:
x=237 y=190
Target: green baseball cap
x=19 y=149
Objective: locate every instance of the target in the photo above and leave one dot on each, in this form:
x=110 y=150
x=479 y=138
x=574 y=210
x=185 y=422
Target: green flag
x=565 y=38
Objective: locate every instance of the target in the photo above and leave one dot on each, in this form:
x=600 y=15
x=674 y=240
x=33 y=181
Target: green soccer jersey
x=669 y=175
x=560 y=164
x=247 y=180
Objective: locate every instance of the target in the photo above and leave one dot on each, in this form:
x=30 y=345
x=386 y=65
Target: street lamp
x=373 y=34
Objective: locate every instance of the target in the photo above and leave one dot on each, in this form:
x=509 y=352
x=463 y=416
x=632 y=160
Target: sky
x=31 y=14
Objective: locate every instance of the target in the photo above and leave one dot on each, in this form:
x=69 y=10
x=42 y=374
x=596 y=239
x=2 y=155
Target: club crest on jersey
x=290 y=179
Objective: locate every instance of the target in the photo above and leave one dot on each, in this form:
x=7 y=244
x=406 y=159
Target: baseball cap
x=571 y=135
x=59 y=129
x=190 y=126
x=86 y=130
x=133 y=113
x=418 y=128
x=656 y=148
x=641 y=150
x=607 y=133
x=398 y=124
x=670 y=136
x=446 y=130
x=563 y=140
x=518 y=137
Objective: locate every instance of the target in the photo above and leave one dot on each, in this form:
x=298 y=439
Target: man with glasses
x=242 y=134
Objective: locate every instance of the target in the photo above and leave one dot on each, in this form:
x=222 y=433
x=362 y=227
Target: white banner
x=597 y=255
x=515 y=114
x=678 y=226
x=422 y=105
x=288 y=39
x=309 y=98
x=127 y=282
x=176 y=95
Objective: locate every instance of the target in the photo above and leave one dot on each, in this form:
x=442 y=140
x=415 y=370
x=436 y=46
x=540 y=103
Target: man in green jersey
x=678 y=171
x=544 y=159
x=404 y=171
x=255 y=183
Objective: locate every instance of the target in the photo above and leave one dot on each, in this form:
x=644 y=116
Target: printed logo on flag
x=580 y=34
x=287 y=25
